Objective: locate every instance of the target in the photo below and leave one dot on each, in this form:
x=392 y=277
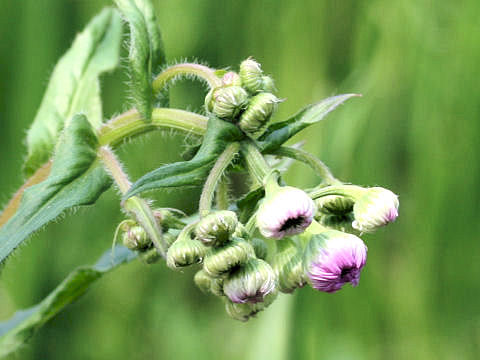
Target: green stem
x=222 y=194
x=215 y=174
x=351 y=191
x=135 y=205
x=131 y=123
x=256 y=164
x=316 y=164
x=198 y=70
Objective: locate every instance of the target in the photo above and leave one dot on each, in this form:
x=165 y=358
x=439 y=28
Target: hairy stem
x=222 y=194
x=135 y=205
x=316 y=164
x=256 y=164
x=215 y=174
x=198 y=70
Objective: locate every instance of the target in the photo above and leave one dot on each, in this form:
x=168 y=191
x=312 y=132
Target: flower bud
x=231 y=78
x=334 y=204
x=254 y=119
x=332 y=259
x=169 y=238
x=261 y=249
x=336 y=222
x=251 y=75
x=376 y=207
x=203 y=281
x=268 y=84
x=288 y=267
x=250 y=283
x=168 y=219
x=222 y=260
x=150 y=256
x=245 y=311
x=135 y=238
x=286 y=211
x=216 y=228
x=241 y=232
x=226 y=102
x=185 y=252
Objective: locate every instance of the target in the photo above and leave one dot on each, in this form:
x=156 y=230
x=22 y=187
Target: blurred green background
x=415 y=131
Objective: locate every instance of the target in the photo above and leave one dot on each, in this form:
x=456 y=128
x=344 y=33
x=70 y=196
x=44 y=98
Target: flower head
x=250 y=283
x=288 y=211
x=376 y=207
x=334 y=258
x=216 y=228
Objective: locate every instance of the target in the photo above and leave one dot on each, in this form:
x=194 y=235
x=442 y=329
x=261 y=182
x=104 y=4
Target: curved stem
x=256 y=164
x=131 y=123
x=212 y=180
x=198 y=70
x=352 y=191
x=316 y=164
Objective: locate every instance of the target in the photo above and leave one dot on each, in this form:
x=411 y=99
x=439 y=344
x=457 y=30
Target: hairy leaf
x=279 y=132
x=25 y=323
x=247 y=204
x=193 y=172
x=74 y=86
x=76 y=178
x=146 y=54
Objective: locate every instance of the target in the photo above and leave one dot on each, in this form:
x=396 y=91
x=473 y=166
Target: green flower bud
x=251 y=75
x=185 y=252
x=288 y=267
x=150 y=256
x=334 y=204
x=336 y=222
x=216 y=228
x=376 y=207
x=226 y=102
x=261 y=249
x=169 y=238
x=250 y=283
x=168 y=219
x=255 y=118
x=224 y=259
x=203 y=281
x=231 y=78
x=135 y=238
x=241 y=232
x=245 y=311
x=268 y=84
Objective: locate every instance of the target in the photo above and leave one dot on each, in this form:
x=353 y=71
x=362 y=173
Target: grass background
x=415 y=131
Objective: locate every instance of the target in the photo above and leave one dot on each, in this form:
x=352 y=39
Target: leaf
x=146 y=53
x=25 y=323
x=74 y=86
x=77 y=178
x=193 y=172
x=248 y=203
x=279 y=132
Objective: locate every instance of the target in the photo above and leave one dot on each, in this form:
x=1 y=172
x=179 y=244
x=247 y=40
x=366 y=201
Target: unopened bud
x=251 y=75
x=261 y=249
x=185 y=252
x=168 y=219
x=226 y=102
x=150 y=256
x=231 y=78
x=376 y=207
x=255 y=118
x=250 y=283
x=268 y=84
x=135 y=238
x=288 y=267
x=334 y=204
x=222 y=260
x=216 y=228
x=244 y=311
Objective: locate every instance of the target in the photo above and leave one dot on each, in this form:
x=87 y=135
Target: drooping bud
x=185 y=251
x=231 y=78
x=222 y=260
x=261 y=249
x=376 y=207
x=168 y=218
x=285 y=211
x=250 y=283
x=216 y=228
x=203 y=281
x=135 y=238
x=332 y=259
x=226 y=102
x=254 y=119
x=251 y=75
x=336 y=222
x=288 y=267
x=245 y=311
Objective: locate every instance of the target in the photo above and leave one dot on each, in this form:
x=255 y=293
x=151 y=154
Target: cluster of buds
x=289 y=237
x=245 y=99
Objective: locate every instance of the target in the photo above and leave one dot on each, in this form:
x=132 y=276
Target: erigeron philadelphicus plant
x=71 y=161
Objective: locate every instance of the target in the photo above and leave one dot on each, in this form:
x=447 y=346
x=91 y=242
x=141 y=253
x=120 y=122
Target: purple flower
x=288 y=211
x=334 y=258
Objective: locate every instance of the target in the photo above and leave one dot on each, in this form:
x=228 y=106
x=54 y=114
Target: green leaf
x=248 y=203
x=193 y=172
x=279 y=132
x=146 y=53
x=74 y=86
x=77 y=178
x=25 y=323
